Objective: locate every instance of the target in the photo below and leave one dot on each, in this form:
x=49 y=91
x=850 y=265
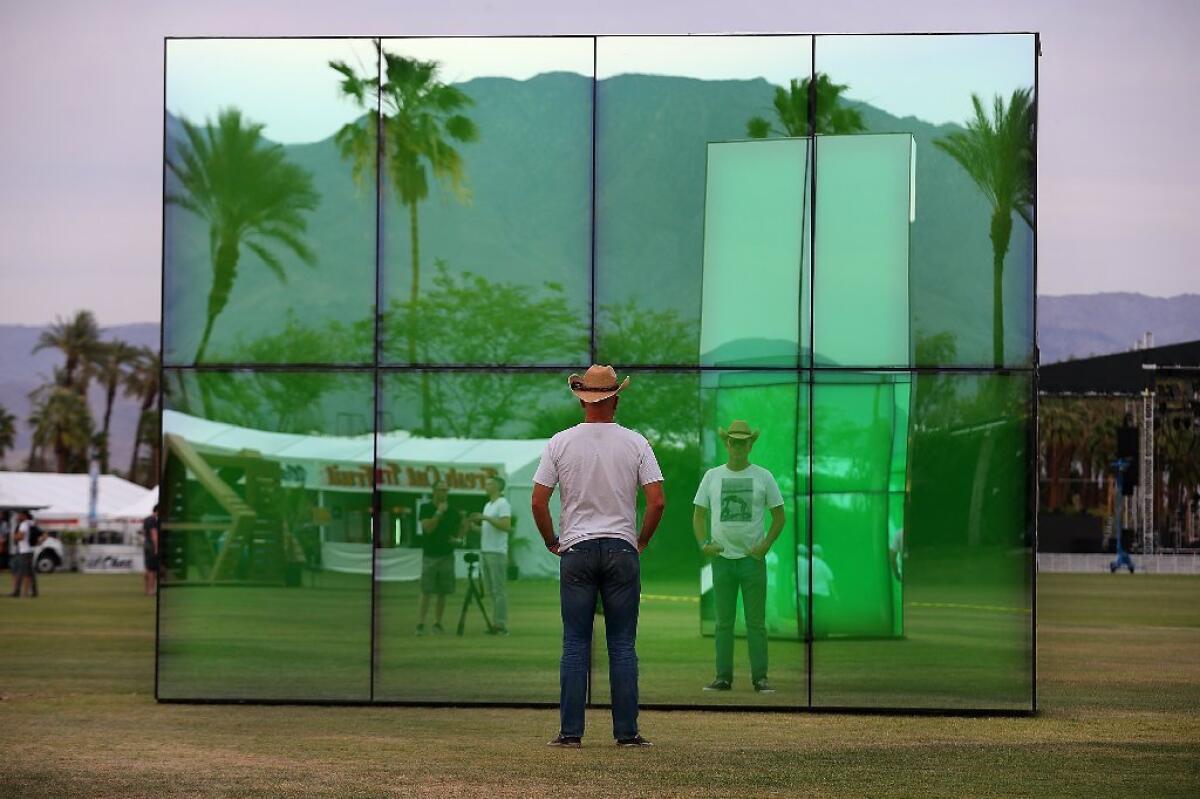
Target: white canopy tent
x=61 y=500
x=405 y=463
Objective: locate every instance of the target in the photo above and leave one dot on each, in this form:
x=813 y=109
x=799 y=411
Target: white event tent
x=60 y=501
x=325 y=463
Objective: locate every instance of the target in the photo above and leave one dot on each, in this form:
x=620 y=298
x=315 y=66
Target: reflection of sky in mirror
x=929 y=77
x=776 y=58
x=520 y=58
x=285 y=84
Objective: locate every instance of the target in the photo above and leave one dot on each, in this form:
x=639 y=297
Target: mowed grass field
x=1118 y=687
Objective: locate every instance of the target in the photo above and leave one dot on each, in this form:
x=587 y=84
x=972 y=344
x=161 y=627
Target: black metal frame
x=805 y=374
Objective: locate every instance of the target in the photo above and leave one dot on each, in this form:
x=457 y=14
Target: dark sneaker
x=437 y=630
x=718 y=685
x=763 y=687
x=636 y=740
x=420 y=629
x=566 y=742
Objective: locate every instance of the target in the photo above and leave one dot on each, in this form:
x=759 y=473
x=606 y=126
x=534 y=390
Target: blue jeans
x=609 y=567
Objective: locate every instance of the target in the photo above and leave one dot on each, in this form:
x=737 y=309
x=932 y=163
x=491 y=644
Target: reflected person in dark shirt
x=441 y=529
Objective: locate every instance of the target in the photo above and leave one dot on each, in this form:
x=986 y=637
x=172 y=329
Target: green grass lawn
x=1118 y=688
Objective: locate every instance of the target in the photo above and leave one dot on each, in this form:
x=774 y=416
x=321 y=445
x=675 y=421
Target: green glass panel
x=962 y=548
x=755 y=206
x=860 y=431
x=972 y=237
x=860 y=257
x=660 y=102
x=854 y=585
x=487 y=226
x=252 y=604
x=448 y=427
x=269 y=233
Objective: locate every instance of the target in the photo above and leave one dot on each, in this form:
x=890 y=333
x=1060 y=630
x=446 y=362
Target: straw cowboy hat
x=598 y=383
x=738 y=429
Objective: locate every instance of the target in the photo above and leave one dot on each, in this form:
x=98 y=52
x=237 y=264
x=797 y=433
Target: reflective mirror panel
x=268 y=228
x=266 y=475
x=660 y=102
x=790 y=266
x=967 y=100
x=960 y=547
x=755 y=223
x=487 y=174
x=864 y=200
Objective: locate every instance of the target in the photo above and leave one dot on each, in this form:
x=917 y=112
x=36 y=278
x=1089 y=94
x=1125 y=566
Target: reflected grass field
x=312 y=643
x=1119 y=685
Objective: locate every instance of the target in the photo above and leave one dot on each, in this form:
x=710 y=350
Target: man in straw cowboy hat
x=735 y=496
x=599 y=464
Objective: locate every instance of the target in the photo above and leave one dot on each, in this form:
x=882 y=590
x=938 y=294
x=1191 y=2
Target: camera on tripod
x=474 y=593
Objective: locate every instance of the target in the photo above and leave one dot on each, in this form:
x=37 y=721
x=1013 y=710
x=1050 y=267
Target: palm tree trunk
x=1000 y=234
x=225 y=263
x=413 y=293
x=109 y=397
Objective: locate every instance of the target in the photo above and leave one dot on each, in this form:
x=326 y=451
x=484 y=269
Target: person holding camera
x=496 y=525
x=735 y=496
x=441 y=528
x=599 y=465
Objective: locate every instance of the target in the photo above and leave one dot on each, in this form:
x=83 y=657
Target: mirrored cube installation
x=353 y=314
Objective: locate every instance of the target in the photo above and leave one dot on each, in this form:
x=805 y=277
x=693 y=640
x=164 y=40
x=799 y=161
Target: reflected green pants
x=748 y=575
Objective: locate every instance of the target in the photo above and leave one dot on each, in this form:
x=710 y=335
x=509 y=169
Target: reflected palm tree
x=250 y=195
x=421 y=120
x=997 y=153
x=791 y=111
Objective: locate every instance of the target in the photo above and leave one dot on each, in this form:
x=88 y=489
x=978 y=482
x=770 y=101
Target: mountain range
x=525 y=218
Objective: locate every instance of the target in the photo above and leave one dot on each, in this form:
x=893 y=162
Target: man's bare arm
x=656 y=502
x=541 y=516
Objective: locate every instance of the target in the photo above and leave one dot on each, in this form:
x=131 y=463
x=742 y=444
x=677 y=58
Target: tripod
x=474 y=591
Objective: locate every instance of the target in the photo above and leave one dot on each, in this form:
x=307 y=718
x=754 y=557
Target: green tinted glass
x=860 y=259
x=269 y=234
x=967 y=101
x=754 y=218
x=265 y=475
x=961 y=550
x=448 y=429
x=660 y=102
x=487 y=218
x=860 y=430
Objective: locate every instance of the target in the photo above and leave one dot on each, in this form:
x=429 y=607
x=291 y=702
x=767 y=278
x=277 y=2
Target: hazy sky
x=82 y=88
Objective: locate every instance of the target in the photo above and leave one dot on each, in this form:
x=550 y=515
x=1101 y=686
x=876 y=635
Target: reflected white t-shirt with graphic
x=736 y=503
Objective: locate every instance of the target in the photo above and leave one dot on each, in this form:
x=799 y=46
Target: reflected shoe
x=763 y=687
x=636 y=740
x=437 y=630
x=719 y=685
x=420 y=629
x=566 y=742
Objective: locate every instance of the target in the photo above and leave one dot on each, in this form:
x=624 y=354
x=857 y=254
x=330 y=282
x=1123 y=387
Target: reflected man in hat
x=734 y=497
x=599 y=466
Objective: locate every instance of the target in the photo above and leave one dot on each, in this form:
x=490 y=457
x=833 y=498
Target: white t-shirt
x=492 y=538
x=599 y=466
x=822 y=576
x=736 y=501
x=25 y=545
